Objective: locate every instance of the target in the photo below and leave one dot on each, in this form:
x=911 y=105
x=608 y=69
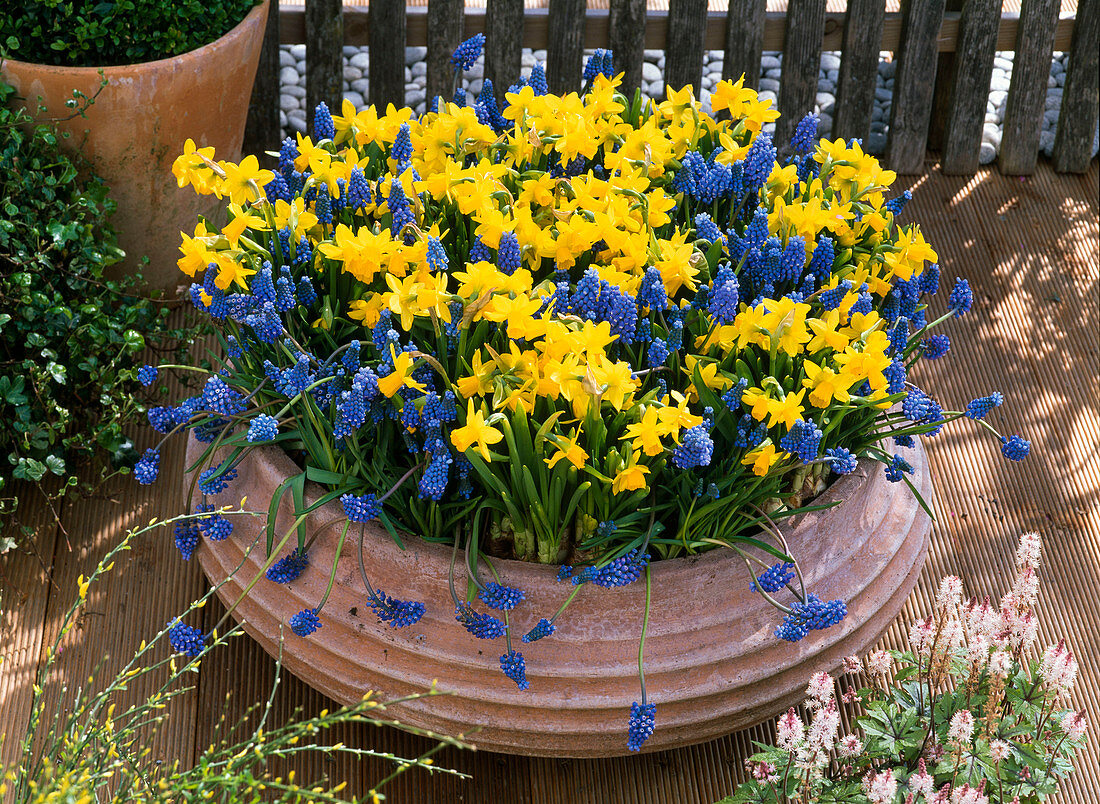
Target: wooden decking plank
x=148 y=586
x=25 y=591
x=387 y=54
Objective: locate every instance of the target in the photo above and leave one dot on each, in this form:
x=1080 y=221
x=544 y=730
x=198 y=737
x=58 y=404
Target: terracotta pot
x=712 y=662
x=138 y=124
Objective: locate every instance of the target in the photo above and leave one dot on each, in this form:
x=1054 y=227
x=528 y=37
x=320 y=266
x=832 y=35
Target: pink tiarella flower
x=950 y=593
x=821 y=688
x=879 y=662
x=962 y=727
x=824 y=726
x=920 y=638
x=880 y=787
x=982 y=620
x=1029 y=551
x=851 y=664
x=1000 y=663
x=921 y=782
x=998 y=750
x=850 y=746
x=969 y=795
x=1058 y=668
x=789 y=731
x=1075 y=724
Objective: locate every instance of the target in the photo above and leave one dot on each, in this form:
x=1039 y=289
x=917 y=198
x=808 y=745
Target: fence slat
x=801 y=62
x=941 y=92
x=444 y=34
x=503 y=43
x=687 y=25
x=565 y=48
x=744 y=40
x=855 y=97
x=324 y=55
x=914 y=81
x=1028 y=88
x=387 y=53
x=626 y=38
x=261 y=129
x=969 y=94
x=1081 y=94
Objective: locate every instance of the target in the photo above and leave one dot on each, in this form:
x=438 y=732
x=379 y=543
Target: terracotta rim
x=712 y=662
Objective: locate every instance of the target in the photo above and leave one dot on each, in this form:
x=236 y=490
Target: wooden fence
x=944 y=50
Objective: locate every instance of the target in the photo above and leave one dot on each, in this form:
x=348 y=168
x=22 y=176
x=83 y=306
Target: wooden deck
x=1029 y=248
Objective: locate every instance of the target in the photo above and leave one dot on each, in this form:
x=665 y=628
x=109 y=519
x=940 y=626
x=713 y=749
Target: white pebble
x=420 y=69
x=830 y=61
x=415 y=54
x=361 y=86
x=352 y=74
x=360 y=60
x=288 y=75
x=769 y=62
x=986 y=154
x=650 y=72
x=288 y=103
x=285 y=59
x=298 y=51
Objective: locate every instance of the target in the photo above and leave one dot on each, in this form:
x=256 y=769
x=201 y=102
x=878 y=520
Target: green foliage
x=89 y=746
x=70 y=338
x=100 y=33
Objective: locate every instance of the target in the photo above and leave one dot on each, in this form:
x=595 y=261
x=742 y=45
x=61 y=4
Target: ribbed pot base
x=712 y=662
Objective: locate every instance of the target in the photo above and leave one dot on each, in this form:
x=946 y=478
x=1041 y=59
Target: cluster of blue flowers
x=812 y=615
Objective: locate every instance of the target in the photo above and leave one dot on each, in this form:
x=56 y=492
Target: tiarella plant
x=967 y=715
x=582 y=330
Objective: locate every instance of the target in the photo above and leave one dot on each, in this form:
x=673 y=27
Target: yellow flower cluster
x=520 y=344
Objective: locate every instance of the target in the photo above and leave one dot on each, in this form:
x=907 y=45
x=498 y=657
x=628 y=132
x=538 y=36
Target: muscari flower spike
x=467 y=53
x=813 y=615
x=1015 y=448
x=289 y=567
x=543 y=628
x=774 y=578
x=398 y=613
x=211 y=483
x=323 y=128
x=979 y=408
x=482 y=626
x=305 y=622
x=515 y=668
x=361 y=509
x=500 y=597
x=186 y=533
x=186 y=639
x=262 y=428
x=961 y=298
x=147 y=469
x=841 y=460
x=147 y=375
x=640 y=728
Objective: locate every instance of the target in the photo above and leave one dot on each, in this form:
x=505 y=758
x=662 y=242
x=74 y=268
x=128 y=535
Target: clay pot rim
x=155 y=65
x=840 y=489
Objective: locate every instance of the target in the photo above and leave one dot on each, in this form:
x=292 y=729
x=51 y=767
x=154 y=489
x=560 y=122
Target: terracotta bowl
x=712 y=662
x=137 y=127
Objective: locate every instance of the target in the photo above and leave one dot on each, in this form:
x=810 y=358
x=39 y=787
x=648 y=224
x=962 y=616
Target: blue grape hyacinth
x=305 y=622
x=186 y=639
x=289 y=567
x=498 y=596
x=468 y=52
x=513 y=666
x=147 y=469
x=774 y=578
x=643 y=717
x=483 y=626
x=543 y=628
x=398 y=613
